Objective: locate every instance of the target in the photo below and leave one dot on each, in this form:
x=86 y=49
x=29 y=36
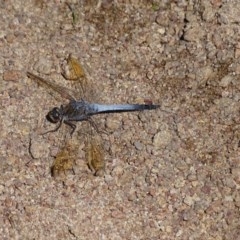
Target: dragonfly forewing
x=65 y=160
x=65 y=93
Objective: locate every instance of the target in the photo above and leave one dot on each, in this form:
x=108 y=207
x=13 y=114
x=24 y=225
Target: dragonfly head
x=55 y=115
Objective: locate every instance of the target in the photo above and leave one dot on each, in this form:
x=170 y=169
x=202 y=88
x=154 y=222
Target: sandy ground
x=172 y=174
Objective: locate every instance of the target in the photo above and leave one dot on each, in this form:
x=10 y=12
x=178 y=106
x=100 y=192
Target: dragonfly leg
x=55 y=129
x=93 y=124
x=72 y=125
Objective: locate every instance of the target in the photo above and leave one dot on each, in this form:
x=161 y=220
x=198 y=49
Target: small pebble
x=11 y=75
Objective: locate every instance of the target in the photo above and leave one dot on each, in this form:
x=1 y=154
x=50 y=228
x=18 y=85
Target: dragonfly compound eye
x=54 y=115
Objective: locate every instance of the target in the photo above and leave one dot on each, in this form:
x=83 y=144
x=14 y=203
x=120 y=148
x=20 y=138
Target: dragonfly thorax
x=55 y=115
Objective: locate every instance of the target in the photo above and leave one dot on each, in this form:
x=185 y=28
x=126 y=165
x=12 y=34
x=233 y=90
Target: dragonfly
x=78 y=109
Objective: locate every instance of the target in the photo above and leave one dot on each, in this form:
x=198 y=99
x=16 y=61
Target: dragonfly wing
x=64 y=161
x=61 y=90
x=61 y=165
x=94 y=154
x=84 y=86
